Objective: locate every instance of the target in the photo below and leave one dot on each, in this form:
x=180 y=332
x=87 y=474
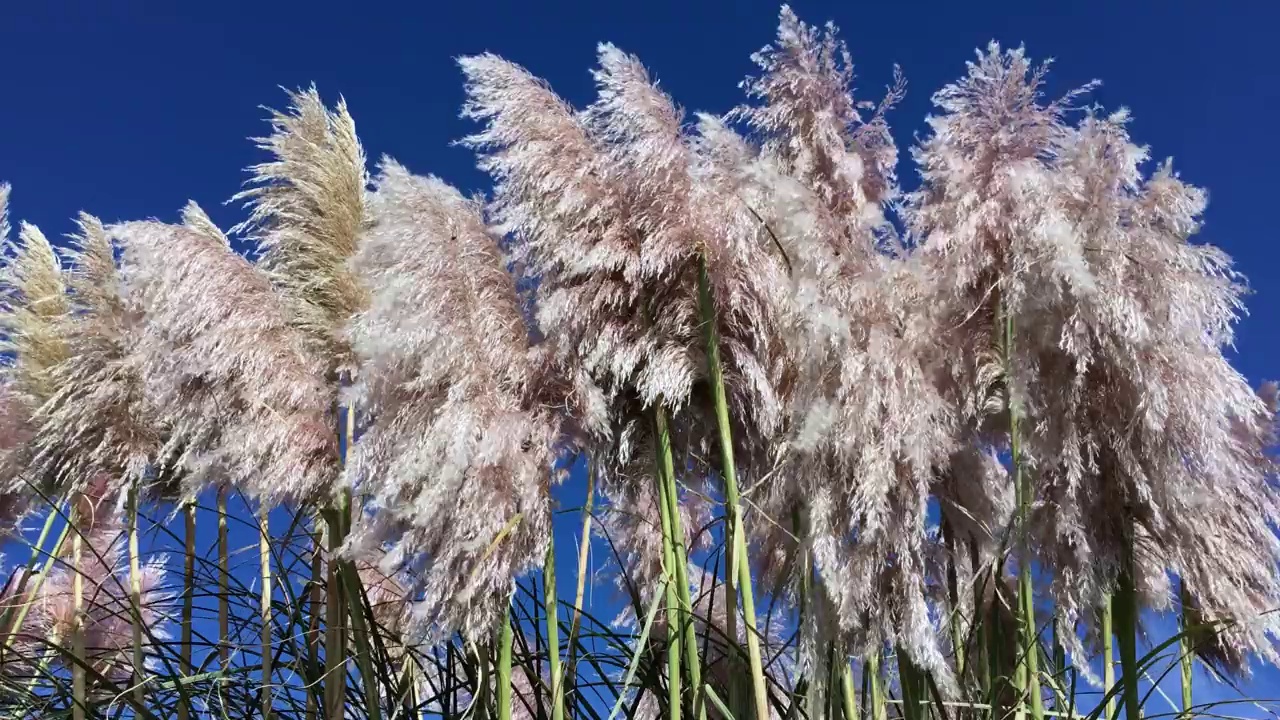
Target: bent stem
x=733 y=509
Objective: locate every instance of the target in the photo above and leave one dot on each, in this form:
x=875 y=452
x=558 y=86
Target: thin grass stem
x=688 y=634
x=506 y=636
x=733 y=506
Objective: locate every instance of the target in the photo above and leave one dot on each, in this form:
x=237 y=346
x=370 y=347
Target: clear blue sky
x=128 y=109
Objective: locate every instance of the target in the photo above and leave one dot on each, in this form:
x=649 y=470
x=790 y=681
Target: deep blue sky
x=128 y=109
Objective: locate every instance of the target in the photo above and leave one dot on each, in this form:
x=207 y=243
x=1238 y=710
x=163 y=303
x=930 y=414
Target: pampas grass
x=849 y=447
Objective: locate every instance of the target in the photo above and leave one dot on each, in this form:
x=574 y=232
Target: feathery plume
x=98 y=420
x=1133 y=414
x=33 y=304
x=460 y=451
x=553 y=196
x=306 y=214
x=841 y=166
x=681 y=203
x=868 y=428
x=33 y=301
x=230 y=378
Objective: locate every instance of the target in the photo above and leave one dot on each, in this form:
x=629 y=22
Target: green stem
x=1028 y=670
x=848 y=698
x=78 y=690
x=680 y=555
x=956 y=622
x=584 y=551
x=135 y=594
x=264 y=559
x=871 y=667
x=360 y=630
x=1126 y=622
x=188 y=598
x=28 y=599
x=505 y=638
x=1187 y=654
x=1108 y=656
x=913 y=691
x=224 y=582
x=673 y=603
x=552 y=609
x=733 y=507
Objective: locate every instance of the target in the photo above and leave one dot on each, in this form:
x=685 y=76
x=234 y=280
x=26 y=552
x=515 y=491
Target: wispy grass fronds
x=868 y=426
x=230 y=378
x=306 y=214
x=459 y=456
x=99 y=421
x=34 y=297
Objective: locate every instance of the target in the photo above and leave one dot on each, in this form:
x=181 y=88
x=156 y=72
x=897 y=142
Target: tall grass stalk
x=1028 y=669
x=802 y=698
x=1186 y=648
x=78 y=694
x=361 y=622
x=505 y=640
x=912 y=683
x=19 y=615
x=848 y=698
x=483 y=658
x=188 y=598
x=579 y=595
x=224 y=581
x=1108 y=655
x=315 y=593
x=338 y=519
x=955 y=622
x=135 y=595
x=335 y=646
x=673 y=602
x=1125 y=618
x=264 y=558
x=671 y=501
x=879 y=708
x=733 y=508
x=1059 y=668
x=552 y=609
